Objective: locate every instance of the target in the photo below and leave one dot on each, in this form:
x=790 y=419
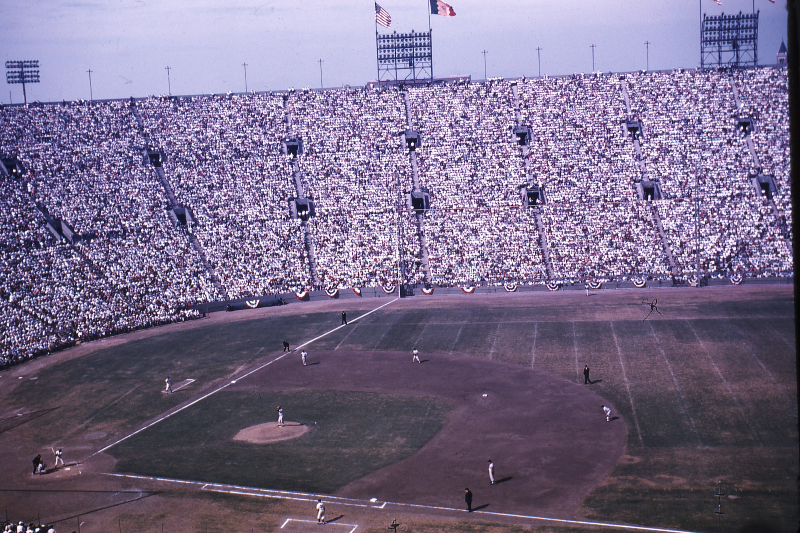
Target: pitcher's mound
x=271 y=432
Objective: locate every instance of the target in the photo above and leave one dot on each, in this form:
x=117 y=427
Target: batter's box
x=296 y=524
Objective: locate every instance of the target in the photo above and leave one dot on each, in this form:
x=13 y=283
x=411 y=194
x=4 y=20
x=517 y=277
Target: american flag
x=440 y=8
x=382 y=16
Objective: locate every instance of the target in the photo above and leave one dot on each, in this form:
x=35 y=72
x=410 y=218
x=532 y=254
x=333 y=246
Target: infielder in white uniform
x=607 y=411
x=280 y=416
x=415 y=359
x=491 y=471
x=320 y=512
x=169 y=385
x=303 y=354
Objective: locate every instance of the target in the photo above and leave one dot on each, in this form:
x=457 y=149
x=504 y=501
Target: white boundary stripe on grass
x=533 y=348
x=354 y=526
x=235 y=380
x=337 y=500
x=675 y=382
x=345 y=337
x=185 y=383
x=627 y=384
x=724 y=382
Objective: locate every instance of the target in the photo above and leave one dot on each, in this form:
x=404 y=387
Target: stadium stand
x=91 y=245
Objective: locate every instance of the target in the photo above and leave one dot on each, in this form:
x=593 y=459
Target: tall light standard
x=539 y=54
x=647 y=44
x=320 y=73
x=22 y=72
x=592 y=47
x=91 y=95
x=484 y=64
x=245 y=76
x=169 y=85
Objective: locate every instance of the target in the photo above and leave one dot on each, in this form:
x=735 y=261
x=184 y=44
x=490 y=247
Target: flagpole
x=377 y=55
x=430 y=36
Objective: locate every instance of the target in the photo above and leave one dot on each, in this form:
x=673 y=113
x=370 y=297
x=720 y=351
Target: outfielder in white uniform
x=320 y=512
x=169 y=385
x=280 y=416
x=57 y=453
x=303 y=354
x=607 y=411
x=415 y=359
x=491 y=471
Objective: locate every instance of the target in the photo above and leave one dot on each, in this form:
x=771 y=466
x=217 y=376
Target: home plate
x=298 y=525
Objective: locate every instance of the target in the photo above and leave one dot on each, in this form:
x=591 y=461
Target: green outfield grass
x=708 y=390
x=351 y=434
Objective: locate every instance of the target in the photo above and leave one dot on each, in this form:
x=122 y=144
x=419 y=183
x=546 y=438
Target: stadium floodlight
x=22 y=72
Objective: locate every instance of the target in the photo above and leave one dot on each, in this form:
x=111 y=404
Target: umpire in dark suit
x=586 y=380
x=344 y=318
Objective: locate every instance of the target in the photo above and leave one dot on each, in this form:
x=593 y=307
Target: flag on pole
x=440 y=8
x=382 y=16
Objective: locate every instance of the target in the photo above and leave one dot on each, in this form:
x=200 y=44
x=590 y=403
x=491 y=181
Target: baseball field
x=702 y=391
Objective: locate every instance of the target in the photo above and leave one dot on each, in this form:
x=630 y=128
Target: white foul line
x=235 y=380
x=354 y=526
x=338 y=500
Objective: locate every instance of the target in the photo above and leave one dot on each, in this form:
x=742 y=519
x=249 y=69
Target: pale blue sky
x=127 y=43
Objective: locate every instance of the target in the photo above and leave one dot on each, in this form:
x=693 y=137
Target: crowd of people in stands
x=30 y=528
x=225 y=159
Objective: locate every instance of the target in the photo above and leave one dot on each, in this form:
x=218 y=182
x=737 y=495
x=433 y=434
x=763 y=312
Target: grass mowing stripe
x=735 y=400
x=235 y=380
x=627 y=384
x=793 y=406
x=458 y=335
x=421 y=333
x=345 y=337
x=675 y=382
x=494 y=340
x=575 y=349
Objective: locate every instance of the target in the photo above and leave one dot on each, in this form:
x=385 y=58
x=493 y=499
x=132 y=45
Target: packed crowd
x=353 y=165
x=604 y=241
x=689 y=122
x=30 y=528
x=578 y=151
x=225 y=159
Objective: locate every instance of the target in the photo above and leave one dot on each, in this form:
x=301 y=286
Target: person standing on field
x=344 y=318
x=607 y=411
x=468 y=499
x=280 y=416
x=415 y=359
x=320 y=512
x=586 y=380
x=491 y=471
x=304 y=354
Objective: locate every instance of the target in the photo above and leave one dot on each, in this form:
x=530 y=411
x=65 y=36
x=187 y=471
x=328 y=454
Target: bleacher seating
x=136 y=268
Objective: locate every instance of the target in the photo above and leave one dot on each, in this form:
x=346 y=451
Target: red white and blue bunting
x=388 y=289
x=357 y=290
x=639 y=283
x=510 y=287
x=553 y=285
x=468 y=290
x=332 y=292
x=301 y=295
x=737 y=279
x=252 y=304
x=427 y=291
x=594 y=285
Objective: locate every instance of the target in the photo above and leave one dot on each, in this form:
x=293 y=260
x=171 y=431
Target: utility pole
x=647 y=43
x=169 y=85
x=91 y=95
x=484 y=64
x=539 y=53
x=245 y=76
x=592 y=47
x=320 y=73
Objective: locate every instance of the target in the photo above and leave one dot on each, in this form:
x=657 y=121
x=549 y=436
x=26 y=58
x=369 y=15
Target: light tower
x=22 y=72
